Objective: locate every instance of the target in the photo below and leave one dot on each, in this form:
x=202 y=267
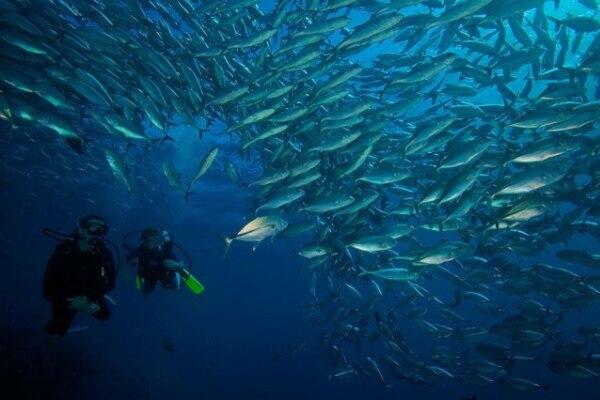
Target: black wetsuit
x=151 y=268
x=70 y=273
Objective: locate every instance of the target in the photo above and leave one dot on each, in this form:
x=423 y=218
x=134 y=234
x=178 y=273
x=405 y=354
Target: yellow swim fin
x=191 y=282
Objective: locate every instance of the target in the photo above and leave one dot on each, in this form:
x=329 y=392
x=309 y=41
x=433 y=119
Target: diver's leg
x=149 y=283
x=103 y=314
x=62 y=316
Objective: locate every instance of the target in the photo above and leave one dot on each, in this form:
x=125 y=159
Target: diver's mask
x=154 y=242
x=157 y=242
x=92 y=229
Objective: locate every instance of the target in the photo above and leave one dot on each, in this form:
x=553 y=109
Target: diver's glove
x=83 y=304
x=174 y=265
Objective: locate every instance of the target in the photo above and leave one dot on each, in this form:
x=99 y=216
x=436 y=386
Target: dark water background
x=246 y=337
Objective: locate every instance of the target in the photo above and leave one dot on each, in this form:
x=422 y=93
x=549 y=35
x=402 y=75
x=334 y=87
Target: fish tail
x=187 y=194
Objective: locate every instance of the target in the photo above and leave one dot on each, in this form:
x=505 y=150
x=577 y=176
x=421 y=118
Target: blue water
x=246 y=337
x=225 y=339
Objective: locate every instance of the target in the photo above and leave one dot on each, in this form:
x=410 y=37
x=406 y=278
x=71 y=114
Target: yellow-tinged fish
x=257 y=230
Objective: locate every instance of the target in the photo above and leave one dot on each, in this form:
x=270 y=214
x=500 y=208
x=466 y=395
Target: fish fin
x=556 y=21
x=363 y=271
x=415 y=241
x=166 y=137
x=462 y=267
x=255 y=246
x=433 y=95
x=349 y=255
x=187 y=194
x=227 y=241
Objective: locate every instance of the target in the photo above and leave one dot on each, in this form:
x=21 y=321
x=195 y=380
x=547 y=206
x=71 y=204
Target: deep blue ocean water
x=246 y=337
x=225 y=340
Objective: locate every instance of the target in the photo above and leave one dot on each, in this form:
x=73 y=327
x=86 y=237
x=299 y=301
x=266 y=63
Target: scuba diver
x=157 y=262
x=79 y=274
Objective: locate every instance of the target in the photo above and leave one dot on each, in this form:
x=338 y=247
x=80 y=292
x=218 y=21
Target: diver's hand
x=172 y=264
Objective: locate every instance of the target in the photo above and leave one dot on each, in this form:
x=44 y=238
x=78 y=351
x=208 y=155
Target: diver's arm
x=52 y=274
x=173 y=264
x=171 y=261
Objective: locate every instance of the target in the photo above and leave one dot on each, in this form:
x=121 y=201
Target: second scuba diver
x=156 y=261
x=79 y=274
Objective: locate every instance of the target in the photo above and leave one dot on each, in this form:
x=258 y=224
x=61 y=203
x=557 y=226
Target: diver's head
x=92 y=229
x=154 y=237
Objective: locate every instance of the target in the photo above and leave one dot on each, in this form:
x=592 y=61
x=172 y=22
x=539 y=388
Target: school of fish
x=456 y=158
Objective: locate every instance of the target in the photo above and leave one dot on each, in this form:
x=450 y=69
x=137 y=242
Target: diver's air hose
x=56 y=235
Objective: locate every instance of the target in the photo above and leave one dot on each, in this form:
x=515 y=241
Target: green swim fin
x=191 y=282
x=138 y=282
